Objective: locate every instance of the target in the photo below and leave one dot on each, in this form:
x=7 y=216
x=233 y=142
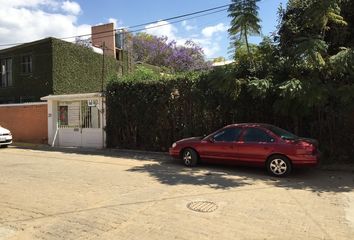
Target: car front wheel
x=278 y=166
x=189 y=157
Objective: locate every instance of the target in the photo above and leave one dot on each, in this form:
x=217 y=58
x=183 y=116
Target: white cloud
x=113 y=20
x=211 y=30
x=116 y=22
x=29 y=20
x=71 y=7
x=162 y=28
x=187 y=26
x=27 y=3
x=211 y=49
x=209 y=39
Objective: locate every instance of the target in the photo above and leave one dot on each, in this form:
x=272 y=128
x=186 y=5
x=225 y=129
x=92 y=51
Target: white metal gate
x=79 y=124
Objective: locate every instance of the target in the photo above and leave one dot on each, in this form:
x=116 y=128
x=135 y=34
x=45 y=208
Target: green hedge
x=151 y=115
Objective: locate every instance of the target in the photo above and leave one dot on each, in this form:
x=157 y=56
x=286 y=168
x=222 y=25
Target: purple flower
x=161 y=52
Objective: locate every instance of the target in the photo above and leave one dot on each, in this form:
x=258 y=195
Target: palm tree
x=245 y=22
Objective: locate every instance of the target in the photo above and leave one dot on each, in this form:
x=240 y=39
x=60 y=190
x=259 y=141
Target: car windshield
x=282 y=133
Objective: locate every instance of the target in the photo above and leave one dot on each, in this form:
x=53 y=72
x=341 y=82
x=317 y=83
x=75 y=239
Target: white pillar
x=52 y=122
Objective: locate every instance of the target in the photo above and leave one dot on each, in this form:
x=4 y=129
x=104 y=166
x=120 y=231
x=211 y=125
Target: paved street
x=60 y=194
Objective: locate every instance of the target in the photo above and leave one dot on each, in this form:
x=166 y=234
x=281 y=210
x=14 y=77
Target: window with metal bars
x=79 y=114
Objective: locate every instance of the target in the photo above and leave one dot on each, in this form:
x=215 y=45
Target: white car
x=5 y=137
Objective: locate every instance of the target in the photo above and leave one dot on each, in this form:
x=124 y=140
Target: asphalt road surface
x=75 y=194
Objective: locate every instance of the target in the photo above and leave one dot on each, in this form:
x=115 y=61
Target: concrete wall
x=27 y=122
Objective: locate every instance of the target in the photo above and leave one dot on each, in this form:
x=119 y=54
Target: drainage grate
x=202 y=206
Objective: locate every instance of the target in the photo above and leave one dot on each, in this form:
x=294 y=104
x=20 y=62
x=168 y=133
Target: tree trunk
x=249 y=51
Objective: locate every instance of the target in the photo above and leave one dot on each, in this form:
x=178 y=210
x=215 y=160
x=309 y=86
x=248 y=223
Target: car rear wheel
x=189 y=157
x=278 y=166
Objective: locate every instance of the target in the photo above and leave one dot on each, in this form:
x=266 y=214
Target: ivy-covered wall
x=77 y=69
x=32 y=86
x=59 y=67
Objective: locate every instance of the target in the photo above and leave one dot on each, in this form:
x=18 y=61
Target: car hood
x=4 y=131
x=188 y=140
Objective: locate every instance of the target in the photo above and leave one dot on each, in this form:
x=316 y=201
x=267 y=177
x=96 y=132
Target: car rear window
x=256 y=135
x=282 y=133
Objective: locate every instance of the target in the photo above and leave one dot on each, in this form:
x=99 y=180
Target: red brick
x=27 y=123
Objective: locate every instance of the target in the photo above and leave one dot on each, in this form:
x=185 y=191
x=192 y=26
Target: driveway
x=69 y=194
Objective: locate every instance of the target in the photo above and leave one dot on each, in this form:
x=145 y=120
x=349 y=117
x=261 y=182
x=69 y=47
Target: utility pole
x=103 y=120
x=103 y=66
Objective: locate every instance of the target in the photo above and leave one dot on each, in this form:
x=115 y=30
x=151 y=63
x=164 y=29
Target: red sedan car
x=250 y=144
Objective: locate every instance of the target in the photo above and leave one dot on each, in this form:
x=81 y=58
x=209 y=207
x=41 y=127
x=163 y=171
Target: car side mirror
x=211 y=139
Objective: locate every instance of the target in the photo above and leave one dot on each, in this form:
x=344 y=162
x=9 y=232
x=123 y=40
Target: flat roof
x=78 y=96
x=26 y=44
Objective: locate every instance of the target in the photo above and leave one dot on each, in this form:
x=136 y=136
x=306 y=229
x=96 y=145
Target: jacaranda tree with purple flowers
x=159 y=51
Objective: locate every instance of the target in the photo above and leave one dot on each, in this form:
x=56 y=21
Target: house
x=224 y=62
x=52 y=66
x=71 y=77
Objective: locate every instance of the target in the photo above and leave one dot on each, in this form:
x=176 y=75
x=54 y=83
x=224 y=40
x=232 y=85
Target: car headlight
x=174 y=145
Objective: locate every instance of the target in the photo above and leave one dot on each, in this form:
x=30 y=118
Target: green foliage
x=224 y=80
x=291 y=88
x=260 y=88
x=59 y=67
x=153 y=114
x=343 y=63
x=310 y=50
x=142 y=73
x=77 y=69
x=302 y=81
x=146 y=72
x=346 y=93
x=244 y=22
x=319 y=13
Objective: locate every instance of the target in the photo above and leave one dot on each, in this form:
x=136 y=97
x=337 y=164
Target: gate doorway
x=77 y=120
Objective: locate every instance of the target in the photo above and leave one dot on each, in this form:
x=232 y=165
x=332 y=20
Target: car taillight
x=307 y=148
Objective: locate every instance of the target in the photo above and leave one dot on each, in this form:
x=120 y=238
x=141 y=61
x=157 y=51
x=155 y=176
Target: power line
x=160 y=25
x=157 y=21
x=221 y=8
x=181 y=16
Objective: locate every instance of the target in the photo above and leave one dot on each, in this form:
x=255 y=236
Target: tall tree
x=304 y=26
x=162 y=52
x=245 y=22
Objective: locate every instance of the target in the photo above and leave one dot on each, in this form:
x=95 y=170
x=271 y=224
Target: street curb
x=329 y=167
x=338 y=167
x=137 y=151
x=28 y=145
x=89 y=150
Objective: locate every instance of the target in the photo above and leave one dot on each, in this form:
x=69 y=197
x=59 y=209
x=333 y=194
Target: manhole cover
x=202 y=206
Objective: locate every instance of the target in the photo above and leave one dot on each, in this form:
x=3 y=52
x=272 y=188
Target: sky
x=29 y=20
